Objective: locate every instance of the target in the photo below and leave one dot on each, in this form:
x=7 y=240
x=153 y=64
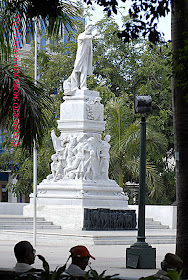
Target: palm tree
x=180 y=112
x=34 y=108
x=53 y=15
x=125 y=144
x=34 y=101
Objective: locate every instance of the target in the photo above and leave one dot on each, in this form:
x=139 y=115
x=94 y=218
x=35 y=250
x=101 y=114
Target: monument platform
x=78 y=193
x=65 y=201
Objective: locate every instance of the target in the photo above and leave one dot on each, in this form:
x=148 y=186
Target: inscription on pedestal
x=107 y=219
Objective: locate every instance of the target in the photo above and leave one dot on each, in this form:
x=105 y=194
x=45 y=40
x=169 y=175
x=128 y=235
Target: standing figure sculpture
x=83 y=62
x=105 y=157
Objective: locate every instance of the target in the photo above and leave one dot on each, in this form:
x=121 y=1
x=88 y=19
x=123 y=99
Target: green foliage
x=171 y=275
x=143 y=16
x=174 y=275
x=54 y=64
x=114 y=62
x=125 y=148
x=34 y=106
x=46 y=274
x=55 y=15
x=93 y=274
x=120 y=71
x=20 y=163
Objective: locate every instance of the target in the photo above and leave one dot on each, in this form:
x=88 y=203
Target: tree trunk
x=180 y=116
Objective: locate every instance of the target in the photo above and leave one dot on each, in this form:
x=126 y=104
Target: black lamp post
x=140 y=254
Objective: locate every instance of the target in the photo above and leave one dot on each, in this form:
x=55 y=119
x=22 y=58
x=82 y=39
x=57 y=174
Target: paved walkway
x=56 y=251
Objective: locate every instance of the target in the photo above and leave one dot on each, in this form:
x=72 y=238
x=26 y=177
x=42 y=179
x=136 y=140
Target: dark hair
x=171 y=261
x=21 y=249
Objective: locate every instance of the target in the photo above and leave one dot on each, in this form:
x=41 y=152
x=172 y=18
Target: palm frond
x=153 y=180
x=119 y=118
x=156 y=142
x=52 y=16
x=34 y=108
x=125 y=145
x=130 y=140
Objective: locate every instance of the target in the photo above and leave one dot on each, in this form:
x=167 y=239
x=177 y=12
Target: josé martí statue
x=79 y=183
x=83 y=62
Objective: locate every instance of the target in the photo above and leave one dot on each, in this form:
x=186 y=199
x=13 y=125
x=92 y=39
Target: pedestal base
x=141 y=255
x=79 y=182
x=65 y=201
x=81 y=193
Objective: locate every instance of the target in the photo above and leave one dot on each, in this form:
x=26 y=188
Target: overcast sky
x=164 y=23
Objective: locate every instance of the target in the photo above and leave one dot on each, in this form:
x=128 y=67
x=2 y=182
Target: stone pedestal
x=141 y=255
x=79 y=178
x=82 y=112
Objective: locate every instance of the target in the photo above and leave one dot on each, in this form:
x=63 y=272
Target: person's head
x=171 y=261
x=54 y=157
x=80 y=256
x=24 y=252
x=107 y=138
x=89 y=28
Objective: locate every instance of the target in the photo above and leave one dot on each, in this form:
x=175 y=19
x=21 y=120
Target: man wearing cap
x=170 y=262
x=80 y=258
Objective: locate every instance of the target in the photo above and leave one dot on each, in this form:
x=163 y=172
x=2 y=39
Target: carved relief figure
x=90 y=167
x=94 y=109
x=54 y=164
x=104 y=157
x=80 y=157
x=76 y=169
x=91 y=162
x=60 y=168
x=69 y=148
x=56 y=141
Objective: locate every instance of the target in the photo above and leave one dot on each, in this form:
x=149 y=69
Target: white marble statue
x=105 y=157
x=76 y=168
x=80 y=156
x=54 y=165
x=83 y=62
x=69 y=151
x=94 y=109
x=56 y=141
x=60 y=168
x=91 y=162
x=90 y=167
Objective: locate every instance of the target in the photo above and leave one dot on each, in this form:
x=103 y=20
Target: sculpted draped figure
x=83 y=62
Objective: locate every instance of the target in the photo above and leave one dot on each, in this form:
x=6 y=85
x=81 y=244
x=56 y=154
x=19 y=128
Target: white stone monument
x=79 y=169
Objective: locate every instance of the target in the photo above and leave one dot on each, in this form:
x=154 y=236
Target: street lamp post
x=140 y=254
x=142 y=182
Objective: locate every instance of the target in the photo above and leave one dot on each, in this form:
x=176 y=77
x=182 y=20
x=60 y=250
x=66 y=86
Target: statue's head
x=107 y=138
x=54 y=157
x=89 y=28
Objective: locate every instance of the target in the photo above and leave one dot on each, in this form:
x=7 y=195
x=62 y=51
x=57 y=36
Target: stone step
x=25 y=226
x=151 y=224
x=18 y=218
x=18 y=222
x=131 y=240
